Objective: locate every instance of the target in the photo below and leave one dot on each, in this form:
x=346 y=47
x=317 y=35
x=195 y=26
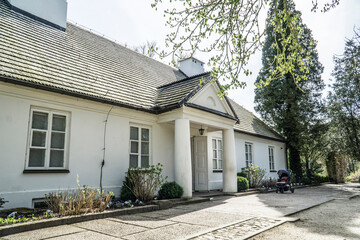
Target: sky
x=134 y=22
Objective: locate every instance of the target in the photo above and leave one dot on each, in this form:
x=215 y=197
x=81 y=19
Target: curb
x=53 y=222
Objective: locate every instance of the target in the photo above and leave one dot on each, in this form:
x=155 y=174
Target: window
x=48 y=139
x=248 y=154
x=139 y=147
x=271 y=158
x=217 y=153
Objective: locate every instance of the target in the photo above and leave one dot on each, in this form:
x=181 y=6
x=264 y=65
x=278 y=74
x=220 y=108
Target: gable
x=207 y=97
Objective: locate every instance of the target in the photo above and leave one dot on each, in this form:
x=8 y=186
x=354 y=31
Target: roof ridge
x=183 y=80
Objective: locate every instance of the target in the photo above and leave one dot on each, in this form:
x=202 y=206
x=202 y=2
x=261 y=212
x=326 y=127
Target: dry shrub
x=82 y=200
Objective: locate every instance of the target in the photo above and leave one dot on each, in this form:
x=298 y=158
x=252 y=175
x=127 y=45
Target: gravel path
x=338 y=219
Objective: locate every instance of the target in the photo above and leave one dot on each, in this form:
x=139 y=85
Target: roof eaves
x=183 y=80
x=210 y=110
x=262 y=136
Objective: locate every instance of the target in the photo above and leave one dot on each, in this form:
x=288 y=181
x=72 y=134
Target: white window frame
x=249 y=161
x=47 y=147
x=271 y=158
x=216 y=157
x=139 y=153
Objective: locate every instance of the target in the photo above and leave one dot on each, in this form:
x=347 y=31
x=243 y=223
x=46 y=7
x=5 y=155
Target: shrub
x=353 y=176
x=320 y=178
x=144 y=182
x=170 y=190
x=254 y=174
x=82 y=200
x=126 y=192
x=269 y=183
x=242 y=183
x=2 y=202
x=242 y=174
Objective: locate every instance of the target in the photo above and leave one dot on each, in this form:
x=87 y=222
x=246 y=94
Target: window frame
x=217 y=149
x=139 y=153
x=247 y=162
x=271 y=158
x=51 y=113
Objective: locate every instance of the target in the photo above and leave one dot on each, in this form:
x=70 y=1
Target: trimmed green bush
x=170 y=190
x=320 y=178
x=242 y=184
x=242 y=174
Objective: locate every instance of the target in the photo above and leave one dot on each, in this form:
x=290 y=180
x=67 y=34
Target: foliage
x=144 y=182
x=15 y=217
x=232 y=32
x=321 y=178
x=122 y=204
x=147 y=48
x=254 y=174
x=292 y=108
x=82 y=200
x=126 y=192
x=242 y=174
x=269 y=183
x=344 y=102
x=355 y=176
x=242 y=184
x=170 y=190
x=2 y=202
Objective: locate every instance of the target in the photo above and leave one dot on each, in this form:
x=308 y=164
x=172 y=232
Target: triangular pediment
x=207 y=97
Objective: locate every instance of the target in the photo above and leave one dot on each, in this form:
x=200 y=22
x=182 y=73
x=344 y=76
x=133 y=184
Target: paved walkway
x=222 y=218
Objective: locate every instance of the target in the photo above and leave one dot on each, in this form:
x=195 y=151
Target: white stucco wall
x=260 y=153
x=86 y=144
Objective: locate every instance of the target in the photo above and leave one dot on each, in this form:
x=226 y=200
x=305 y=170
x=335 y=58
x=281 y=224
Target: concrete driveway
x=223 y=218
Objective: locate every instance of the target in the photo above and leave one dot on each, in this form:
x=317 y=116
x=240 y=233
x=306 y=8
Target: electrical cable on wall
x=103 y=160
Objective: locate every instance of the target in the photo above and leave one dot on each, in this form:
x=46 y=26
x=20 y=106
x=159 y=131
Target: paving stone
x=113 y=228
x=142 y=221
x=88 y=235
x=42 y=233
x=176 y=231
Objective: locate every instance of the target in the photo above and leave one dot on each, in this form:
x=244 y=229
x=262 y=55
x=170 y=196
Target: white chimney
x=48 y=11
x=191 y=66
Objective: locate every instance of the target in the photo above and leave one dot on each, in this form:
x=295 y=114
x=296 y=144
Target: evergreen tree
x=344 y=101
x=293 y=109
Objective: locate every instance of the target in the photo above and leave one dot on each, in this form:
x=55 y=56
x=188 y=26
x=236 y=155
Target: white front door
x=201 y=164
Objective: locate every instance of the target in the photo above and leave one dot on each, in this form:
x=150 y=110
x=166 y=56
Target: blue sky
x=135 y=22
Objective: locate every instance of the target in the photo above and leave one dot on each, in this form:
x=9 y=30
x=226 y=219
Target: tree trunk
x=295 y=162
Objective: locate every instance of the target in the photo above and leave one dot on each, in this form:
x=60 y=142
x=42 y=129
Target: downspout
x=286 y=155
x=103 y=160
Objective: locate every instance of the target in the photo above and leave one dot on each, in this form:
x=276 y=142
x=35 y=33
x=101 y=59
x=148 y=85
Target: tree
x=293 y=109
x=147 y=48
x=231 y=30
x=344 y=100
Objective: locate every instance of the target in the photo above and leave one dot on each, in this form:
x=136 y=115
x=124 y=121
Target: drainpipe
x=103 y=160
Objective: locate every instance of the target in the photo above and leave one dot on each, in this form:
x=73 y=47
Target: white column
x=182 y=156
x=229 y=162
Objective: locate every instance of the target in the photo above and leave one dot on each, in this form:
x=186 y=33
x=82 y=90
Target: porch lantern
x=201 y=131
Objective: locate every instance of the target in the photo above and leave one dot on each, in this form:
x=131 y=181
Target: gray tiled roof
x=78 y=61
x=249 y=123
x=175 y=93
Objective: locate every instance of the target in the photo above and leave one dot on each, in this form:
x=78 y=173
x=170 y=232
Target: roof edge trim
x=261 y=136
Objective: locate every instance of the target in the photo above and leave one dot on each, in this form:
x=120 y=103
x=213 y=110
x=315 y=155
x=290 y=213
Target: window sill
x=46 y=171
x=273 y=171
x=217 y=171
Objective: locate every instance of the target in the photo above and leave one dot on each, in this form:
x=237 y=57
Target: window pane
x=37 y=158
x=214 y=154
x=219 y=144
x=214 y=144
x=59 y=123
x=214 y=164
x=56 y=158
x=38 y=139
x=220 y=164
x=144 y=161
x=134 y=147
x=144 y=148
x=40 y=120
x=145 y=134
x=134 y=133
x=57 y=140
x=250 y=148
x=134 y=161
x=250 y=156
x=246 y=148
x=220 y=154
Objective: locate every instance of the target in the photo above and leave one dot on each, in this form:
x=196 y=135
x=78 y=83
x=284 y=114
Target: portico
x=191 y=165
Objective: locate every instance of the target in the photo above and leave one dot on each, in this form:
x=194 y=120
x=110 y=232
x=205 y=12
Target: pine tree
x=291 y=108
